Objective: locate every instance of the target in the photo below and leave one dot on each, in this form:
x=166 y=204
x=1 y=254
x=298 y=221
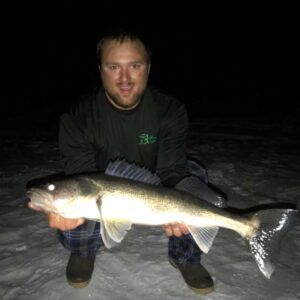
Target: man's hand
x=63 y=224
x=177 y=229
x=58 y=222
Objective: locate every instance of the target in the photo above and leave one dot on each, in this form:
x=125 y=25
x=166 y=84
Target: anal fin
x=204 y=236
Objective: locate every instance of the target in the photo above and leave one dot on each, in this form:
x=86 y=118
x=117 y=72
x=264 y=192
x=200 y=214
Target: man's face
x=124 y=72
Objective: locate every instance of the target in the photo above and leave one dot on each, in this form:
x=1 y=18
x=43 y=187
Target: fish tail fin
x=265 y=242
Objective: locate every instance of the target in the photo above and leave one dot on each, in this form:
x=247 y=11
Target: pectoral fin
x=112 y=231
x=107 y=240
x=204 y=236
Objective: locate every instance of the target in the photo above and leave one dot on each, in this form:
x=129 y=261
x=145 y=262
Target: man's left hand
x=177 y=229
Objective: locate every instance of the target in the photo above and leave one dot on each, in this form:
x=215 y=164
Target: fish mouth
x=39 y=197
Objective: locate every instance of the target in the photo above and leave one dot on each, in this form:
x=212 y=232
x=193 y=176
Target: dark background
x=225 y=62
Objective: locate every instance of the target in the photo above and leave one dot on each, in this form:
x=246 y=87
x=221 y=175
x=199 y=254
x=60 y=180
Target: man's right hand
x=63 y=224
x=59 y=222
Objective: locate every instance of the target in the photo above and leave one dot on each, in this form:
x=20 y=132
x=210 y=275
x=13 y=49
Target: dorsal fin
x=124 y=169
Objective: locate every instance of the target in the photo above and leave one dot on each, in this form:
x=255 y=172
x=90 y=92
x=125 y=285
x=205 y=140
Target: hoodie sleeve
x=171 y=161
x=76 y=150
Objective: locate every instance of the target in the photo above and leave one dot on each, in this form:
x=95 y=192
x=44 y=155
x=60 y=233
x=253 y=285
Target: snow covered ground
x=250 y=161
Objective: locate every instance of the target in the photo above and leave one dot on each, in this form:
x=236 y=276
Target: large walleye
x=118 y=202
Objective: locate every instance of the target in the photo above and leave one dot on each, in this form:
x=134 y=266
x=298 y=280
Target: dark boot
x=195 y=276
x=79 y=270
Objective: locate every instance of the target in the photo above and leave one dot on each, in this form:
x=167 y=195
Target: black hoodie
x=152 y=135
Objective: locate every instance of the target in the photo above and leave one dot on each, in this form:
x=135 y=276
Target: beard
x=123 y=102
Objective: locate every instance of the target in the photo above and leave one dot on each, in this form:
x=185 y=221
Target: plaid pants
x=86 y=239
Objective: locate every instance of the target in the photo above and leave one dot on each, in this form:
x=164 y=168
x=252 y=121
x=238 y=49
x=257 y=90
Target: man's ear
x=149 y=67
x=99 y=67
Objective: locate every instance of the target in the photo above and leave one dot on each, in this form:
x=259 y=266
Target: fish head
x=64 y=197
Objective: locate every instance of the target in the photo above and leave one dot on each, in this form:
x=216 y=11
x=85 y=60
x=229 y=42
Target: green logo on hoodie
x=146 y=139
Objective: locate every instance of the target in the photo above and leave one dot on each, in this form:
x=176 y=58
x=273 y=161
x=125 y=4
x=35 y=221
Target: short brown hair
x=121 y=36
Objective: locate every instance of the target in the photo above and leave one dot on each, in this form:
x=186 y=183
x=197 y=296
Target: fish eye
x=51 y=187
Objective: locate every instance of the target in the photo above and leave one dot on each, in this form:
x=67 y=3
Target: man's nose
x=125 y=74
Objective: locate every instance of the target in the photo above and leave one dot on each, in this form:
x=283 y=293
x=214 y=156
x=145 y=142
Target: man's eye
x=136 y=66
x=113 y=67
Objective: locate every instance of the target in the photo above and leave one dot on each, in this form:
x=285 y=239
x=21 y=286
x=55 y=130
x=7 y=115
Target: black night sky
x=220 y=64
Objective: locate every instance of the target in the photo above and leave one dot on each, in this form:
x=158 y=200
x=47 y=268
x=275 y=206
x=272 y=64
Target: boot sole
x=79 y=285
x=203 y=291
